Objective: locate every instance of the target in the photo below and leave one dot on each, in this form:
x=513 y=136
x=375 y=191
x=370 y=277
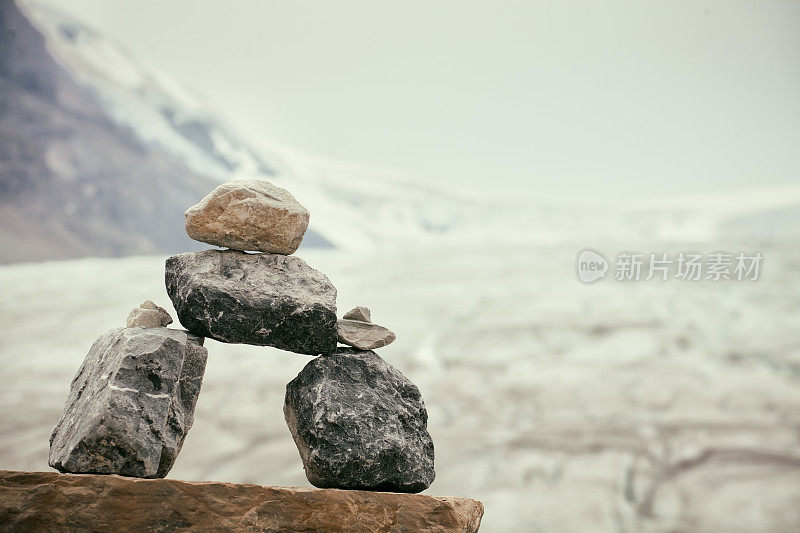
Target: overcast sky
x=532 y=98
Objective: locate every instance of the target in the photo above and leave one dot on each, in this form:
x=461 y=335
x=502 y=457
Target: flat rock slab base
x=53 y=501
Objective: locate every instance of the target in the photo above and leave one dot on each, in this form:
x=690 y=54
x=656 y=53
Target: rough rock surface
x=148 y=315
x=363 y=335
x=359 y=313
x=249 y=215
x=131 y=403
x=262 y=299
x=359 y=424
x=33 y=501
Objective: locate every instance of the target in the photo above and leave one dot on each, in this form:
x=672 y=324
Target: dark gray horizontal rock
x=131 y=403
x=262 y=299
x=359 y=424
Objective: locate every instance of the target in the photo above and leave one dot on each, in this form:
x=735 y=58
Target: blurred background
x=455 y=158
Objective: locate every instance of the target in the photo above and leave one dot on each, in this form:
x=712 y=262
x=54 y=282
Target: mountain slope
x=76 y=180
x=71 y=179
x=353 y=206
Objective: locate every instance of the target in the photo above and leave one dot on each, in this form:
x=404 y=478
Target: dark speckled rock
x=359 y=424
x=131 y=403
x=262 y=299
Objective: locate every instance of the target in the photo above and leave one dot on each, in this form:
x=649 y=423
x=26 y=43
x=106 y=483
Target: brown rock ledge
x=48 y=500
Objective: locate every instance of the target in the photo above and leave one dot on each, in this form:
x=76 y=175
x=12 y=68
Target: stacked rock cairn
x=358 y=423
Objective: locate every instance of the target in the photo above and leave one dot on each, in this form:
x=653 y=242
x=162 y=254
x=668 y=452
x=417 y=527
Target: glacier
x=651 y=406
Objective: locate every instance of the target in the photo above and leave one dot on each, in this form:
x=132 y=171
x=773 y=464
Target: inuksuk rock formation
x=358 y=423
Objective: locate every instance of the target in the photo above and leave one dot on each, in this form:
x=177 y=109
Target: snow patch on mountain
x=160 y=111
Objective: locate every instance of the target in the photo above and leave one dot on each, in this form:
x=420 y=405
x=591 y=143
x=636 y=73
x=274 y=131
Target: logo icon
x=591 y=266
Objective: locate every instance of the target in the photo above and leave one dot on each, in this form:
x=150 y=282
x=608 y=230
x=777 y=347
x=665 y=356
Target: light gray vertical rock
x=130 y=404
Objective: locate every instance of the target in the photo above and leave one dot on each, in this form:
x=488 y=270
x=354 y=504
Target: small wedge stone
x=359 y=313
x=148 y=315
